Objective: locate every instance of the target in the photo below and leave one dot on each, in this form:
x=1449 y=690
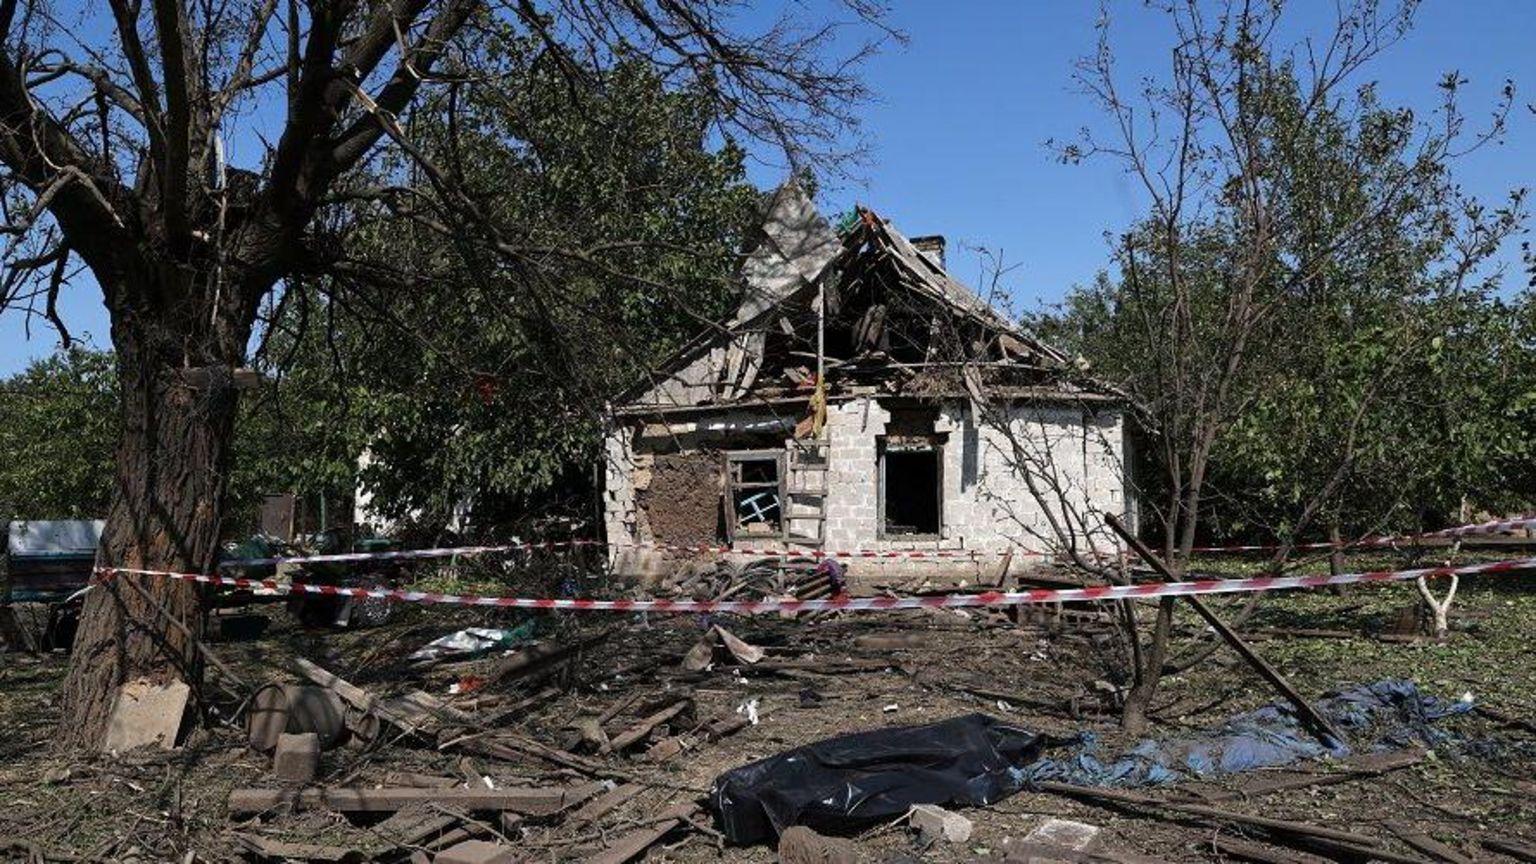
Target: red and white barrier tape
x=854 y=604
x=1494 y=527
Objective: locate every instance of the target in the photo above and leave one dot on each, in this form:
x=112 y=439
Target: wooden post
x=1314 y=721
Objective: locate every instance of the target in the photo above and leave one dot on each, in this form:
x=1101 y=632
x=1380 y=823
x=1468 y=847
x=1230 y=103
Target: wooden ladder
x=805 y=485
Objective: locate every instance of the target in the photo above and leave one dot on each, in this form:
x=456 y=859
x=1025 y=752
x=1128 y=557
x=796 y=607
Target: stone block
x=934 y=822
x=1064 y=834
x=296 y=758
x=801 y=845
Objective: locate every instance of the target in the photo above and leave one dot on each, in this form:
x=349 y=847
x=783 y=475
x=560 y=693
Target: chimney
x=931 y=245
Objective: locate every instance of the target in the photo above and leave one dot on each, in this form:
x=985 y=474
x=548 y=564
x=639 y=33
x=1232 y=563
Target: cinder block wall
x=1078 y=462
x=1076 y=459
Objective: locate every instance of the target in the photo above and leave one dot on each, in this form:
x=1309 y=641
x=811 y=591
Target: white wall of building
x=1076 y=459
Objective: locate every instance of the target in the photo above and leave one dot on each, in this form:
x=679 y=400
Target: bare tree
x=1267 y=170
x=114 y=124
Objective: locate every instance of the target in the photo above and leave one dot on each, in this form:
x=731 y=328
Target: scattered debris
x=266 y=847
x=473 y=641
x=631 y=845
x=575 y=749
x=889 y=641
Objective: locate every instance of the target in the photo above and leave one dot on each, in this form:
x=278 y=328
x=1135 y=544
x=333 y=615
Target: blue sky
x=957 y=136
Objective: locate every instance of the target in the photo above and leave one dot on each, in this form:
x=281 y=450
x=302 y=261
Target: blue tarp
x=1387 y=715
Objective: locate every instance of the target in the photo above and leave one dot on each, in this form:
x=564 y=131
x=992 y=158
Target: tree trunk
x=1133 y=716
x=178 y=408
x=1336 y=549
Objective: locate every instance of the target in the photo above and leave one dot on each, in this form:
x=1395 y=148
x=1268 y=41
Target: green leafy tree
x=57 y=432
x=505 y=408
x=114 y=152
x=1277 y=192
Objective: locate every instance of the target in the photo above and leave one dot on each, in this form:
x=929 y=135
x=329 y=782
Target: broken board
x=146 y=715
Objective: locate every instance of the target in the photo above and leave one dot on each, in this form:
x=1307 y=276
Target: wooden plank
x=413 y=824
x=1418 y=839
x=636 y=842
x=1122 y=796
x=1517 y=849
x=422 y=781
x=533 y=802
x=644 y=727
x=603 y=804
x=1315 y=721
x=269 y=848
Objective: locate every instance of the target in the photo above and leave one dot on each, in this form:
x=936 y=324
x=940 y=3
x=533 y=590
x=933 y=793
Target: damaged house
x=860 y=399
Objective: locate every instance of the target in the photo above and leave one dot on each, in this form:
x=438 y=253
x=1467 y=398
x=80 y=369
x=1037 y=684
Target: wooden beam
x=602 y=805
x=1122 y=796
x=531 y=802
x=1416 y=837
x=1310 y=717
x=1513 y=848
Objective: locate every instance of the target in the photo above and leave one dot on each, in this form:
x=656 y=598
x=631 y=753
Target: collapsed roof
x=895 y=324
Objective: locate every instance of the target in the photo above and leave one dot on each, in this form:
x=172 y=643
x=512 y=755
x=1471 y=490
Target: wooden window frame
x=732 y=486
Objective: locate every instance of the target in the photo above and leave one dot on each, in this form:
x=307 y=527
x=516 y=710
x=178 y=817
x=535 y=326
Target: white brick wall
x=1075 y=460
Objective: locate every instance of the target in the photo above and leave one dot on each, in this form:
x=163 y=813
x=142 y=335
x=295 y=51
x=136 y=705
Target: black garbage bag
x=850 y=782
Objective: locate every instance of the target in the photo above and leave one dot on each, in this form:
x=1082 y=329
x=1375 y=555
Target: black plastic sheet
x=849 y=782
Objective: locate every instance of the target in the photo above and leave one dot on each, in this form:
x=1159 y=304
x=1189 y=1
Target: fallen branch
x=1302 y=829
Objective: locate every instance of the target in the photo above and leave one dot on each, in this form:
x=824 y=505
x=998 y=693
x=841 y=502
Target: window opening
x=910 y=489
x=756 y=494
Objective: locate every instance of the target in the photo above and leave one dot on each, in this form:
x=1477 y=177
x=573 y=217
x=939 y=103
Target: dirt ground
x=1052 y=673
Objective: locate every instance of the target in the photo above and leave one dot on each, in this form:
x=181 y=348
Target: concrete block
x=296 y=758
x=1065 y=834
x=476 y=852
x=934 y=822
x=146 y=714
